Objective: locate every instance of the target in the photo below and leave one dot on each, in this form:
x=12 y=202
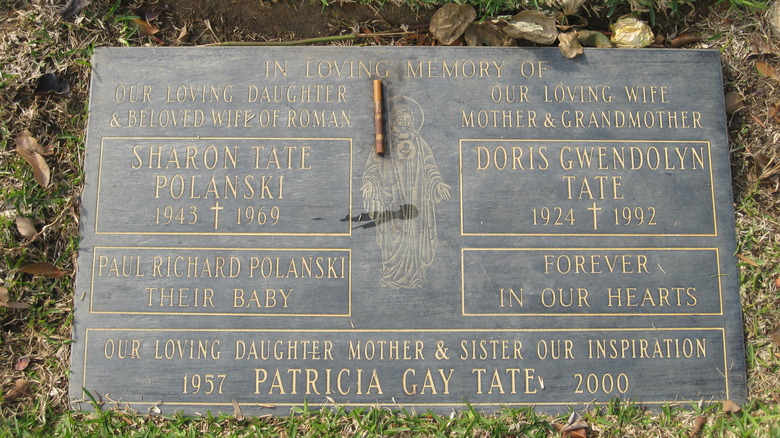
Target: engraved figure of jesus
x=400 y=191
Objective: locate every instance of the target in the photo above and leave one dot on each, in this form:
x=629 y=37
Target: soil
x=249 y=20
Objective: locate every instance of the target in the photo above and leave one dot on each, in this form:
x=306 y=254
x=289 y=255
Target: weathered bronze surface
x=539 y=231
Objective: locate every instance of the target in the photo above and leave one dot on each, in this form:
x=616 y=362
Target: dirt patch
x=249 y=20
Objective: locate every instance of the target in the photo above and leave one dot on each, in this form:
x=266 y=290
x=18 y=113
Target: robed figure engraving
x=400 y=191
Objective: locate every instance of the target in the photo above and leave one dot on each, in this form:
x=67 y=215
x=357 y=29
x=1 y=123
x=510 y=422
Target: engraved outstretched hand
x=371 y=198
x=443 y=190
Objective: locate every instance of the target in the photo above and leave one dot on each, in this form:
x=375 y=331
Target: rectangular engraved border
x=347 y=313
x=712 y=187
x=180 y=233
x=463 y=283
x=724 y=372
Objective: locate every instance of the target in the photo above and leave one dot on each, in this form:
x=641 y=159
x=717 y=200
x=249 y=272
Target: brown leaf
x=144 y=27
x=731 y=406
x=450 y=21
x=150 y=12
x=21 y=389
x=484 y=34
x=698 y=422
x=26 y=227
x=569 y=45
x=776 y=336
x=237 y=410
x=576 y=433
x=22 y=363
x=749 y=261
x=767 y=70
x=533 y=26
x=5 y=300
x=734 y=102
x=683 y=40
x=570 y=6
x=777 y=282
x=74 y=7
x=592 y=38
x=43 y=268
x=759 y=46
x=28 y=148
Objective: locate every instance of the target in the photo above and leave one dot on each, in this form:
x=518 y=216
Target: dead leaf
x=629 y=31
x=237 y=410
x=26 y=227
x=774 y=111
x=52 y=84
x=484 y=34
x=5 y=300
x=533 y=26
x=767 y=70
x=150 y=12
x=22 y=363
x=776 y=336
x=734 y=102
x=21 y=389
x=144 y=27
x=74 y=7
x=747 y=260
x=731 y=406
x=43 y=268
x=28 y=148
x=570 y=6
x=683 y=40
x=592 y=38
x=777 y=282
x=759 y=46
x=577 y=433
x=450 y=21
x=570 y=45
x=698 y=422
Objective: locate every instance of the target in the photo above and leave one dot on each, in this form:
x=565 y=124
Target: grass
x=33 y=41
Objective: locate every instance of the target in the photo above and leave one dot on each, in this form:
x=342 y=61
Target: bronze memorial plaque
x=539 y=230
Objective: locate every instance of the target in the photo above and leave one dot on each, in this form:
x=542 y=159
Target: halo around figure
x=417 y=111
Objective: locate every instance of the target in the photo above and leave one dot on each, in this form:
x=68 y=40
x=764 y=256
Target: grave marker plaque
x=541 y=231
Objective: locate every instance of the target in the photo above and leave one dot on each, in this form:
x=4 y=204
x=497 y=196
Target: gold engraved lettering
x=652 y=297
x=291 y=384
x=668 y=348
x=560 y=297
x=508 y=297
x=292 y=157
x=196 y=267
x=498 y=119
x=454 y=69
x=582 y=264
x=187 y=157
x=386 y=350
x=124 y=266
x=530 y=69
x=647 y=94
x=180 y=297
x=133 y=93
x=199 y=93
x=302 y=267
x=319 y=119
x=498 y=381
x=164 y=118
x=122 y=349
x=297 y=94
x=577 y=93
x=187 y=349
x=555 y=349
x=659 y=119
x=491 y=349
x=428 y=383
x=512 y=158
x=283 y=350
x=346 y=68
x=271 y=298
x=632 y=158
x=610 y=190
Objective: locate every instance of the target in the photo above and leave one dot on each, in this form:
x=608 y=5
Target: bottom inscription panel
x=393 y=367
